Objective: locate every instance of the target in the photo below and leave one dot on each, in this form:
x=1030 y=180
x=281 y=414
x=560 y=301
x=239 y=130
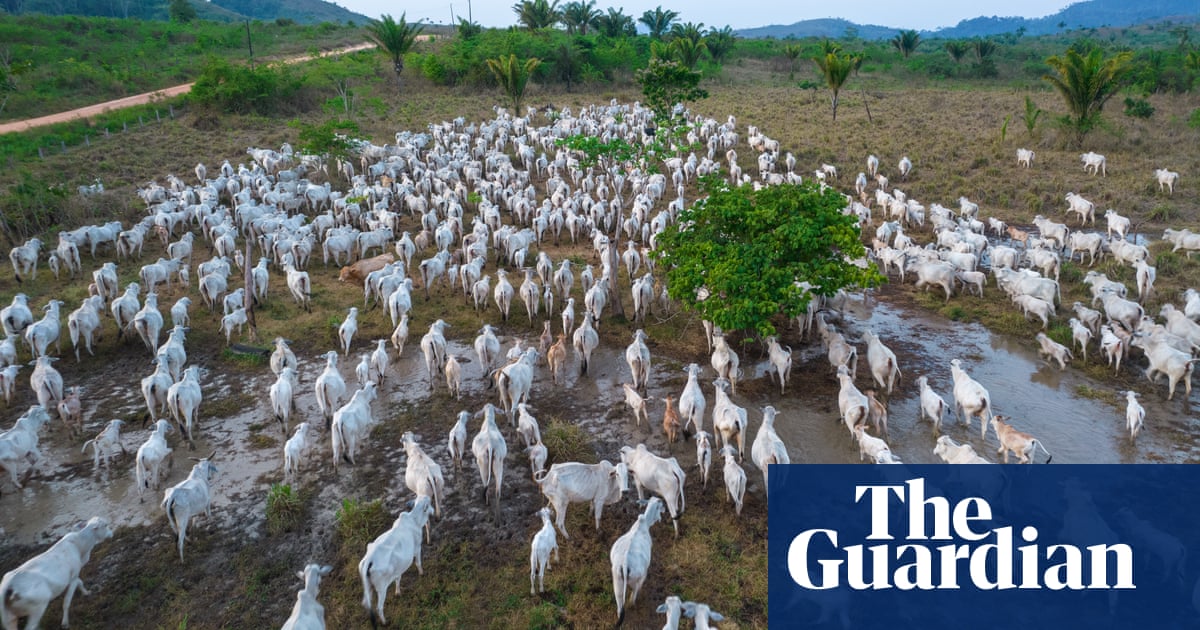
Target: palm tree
x=468 y=29
x=616 y=24
x=535 y=14
x=984 y=48
x=829 y=46
x=658 y=21
x=1086 y=83
x=835 y=69
x=580 y=15
x=792 y=52
x=395 y=38
x=512 y=75
x=568 y=61
x=690 y=30
x=719 y=42
x=688 y=52
x=906 y=42
x=957 y=49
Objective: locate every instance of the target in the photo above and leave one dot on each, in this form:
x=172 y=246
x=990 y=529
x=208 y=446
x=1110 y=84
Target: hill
x=301 y=11
x=1089 y=14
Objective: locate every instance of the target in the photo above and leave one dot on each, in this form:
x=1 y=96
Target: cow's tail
x=1038 y=443
x=679 y=477
x=364 y=571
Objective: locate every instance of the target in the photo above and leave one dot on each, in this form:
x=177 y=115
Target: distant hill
x=1089 y=14
x=302 y=11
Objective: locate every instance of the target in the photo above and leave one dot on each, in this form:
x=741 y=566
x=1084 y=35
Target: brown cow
x=1020 y=444
x=358 y=271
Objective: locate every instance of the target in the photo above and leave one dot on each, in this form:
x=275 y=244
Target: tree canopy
x=667 y=82
x=906 y=42
x=1086 y=82
x=736 y=256
x=658 y=21
x=835 y=68
x=394 y=37
x=512 y=74
x=535 y=14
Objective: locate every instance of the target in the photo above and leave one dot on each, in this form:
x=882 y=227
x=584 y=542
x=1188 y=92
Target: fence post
x=106 y=132
x=140 y=122
x=157 y=118
x=171 y=109
x=124 y=126
x=41 y=154
x=87 y=140
x=63 y=145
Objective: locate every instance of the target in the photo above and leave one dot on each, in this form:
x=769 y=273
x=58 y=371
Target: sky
x=910 y=14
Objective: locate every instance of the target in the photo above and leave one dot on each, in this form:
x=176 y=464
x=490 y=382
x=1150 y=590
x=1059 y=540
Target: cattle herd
x=481 y=201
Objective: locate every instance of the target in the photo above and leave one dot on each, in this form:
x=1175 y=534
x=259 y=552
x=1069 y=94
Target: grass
x=1104 y=395
x=566 y=442
x=285 y=508
x=360 y=522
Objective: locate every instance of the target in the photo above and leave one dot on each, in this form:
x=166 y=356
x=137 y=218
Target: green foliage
x=1168 y=264
x=566 y=442
x=360 y=522
x=1163 y=213
x=719 y=43
x=1194 y=119
x=237 y=89
x=1004 y=127
x=748 y=249
x=615 y=23
x=792 y=52
x=394 y=38
x=688 y=51
x=666 y=83
x=468 y=29
x=285 y=509
x=512 y=75
x=579 y=16
x=1138 y=107
x=181 y=11
x=537 y=14
x=10 y=73
x=906 y=42
x=332 y=139
x=1086 y=82
x=1032 y=112
x=30 y=206
x=957 y=49
x=835 y=68
x=658 y=21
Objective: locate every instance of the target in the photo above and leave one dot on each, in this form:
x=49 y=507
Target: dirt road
x=139 y=99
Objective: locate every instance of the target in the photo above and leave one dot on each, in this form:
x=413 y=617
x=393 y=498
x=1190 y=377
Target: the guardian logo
x=929 y=543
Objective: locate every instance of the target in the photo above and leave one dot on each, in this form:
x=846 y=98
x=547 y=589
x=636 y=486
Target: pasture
x=239 y=573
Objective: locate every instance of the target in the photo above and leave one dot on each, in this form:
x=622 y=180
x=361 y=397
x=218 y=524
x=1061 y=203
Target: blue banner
x=984 y=546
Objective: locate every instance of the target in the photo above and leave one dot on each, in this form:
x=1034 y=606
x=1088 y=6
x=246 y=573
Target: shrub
x=285 y=509
x=1163 y=213
x=566 y=442
x=234 y=89
x=359 y=523
x=1138 y=108
x=1167 y=264
x=1194 y=119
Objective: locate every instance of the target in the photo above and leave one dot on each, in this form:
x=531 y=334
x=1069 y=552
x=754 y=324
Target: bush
x=1163 y=213
x=1194 y=119
x=235 y=89
x=566 y=442
x=285 y=509
x=359 y=523
x=1138 y=108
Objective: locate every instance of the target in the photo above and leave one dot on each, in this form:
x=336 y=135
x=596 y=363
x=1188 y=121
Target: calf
x=1135 y=414
x=351 y=423
x=1020 y=444
x=638 y=405
x=572 y=482
x=735 y=478
x=670 y=422
x=308 y=614
x=1081 y=335
x=932 y=405
x=1051 y=349
x=26 y=591
x=1031 y=305
x=390 y=555
x=150 y=456
x=104 y=444
x=869 y=445
x=189 y=497
x=952 y=452
x=1112 y=346
x=544 y=541
x=456 y=443
x=294 y=450
x=703 y=455
x=70 y=410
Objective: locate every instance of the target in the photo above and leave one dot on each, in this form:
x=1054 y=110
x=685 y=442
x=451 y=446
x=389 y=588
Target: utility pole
x=249 y=44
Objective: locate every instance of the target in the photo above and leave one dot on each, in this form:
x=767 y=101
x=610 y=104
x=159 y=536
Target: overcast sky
x=914 y=14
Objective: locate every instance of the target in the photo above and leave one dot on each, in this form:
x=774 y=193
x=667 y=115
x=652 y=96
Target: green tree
x=468 y=29
x=835 y=68
x=1030 y=117
x=12 y=6
x=181 y=11
x=512 y=74
x=957 y=49
x=658 y=21
x=568 y=61
x=579 y=16
x=736 y=256
x=792 y=53
x=687 y=51
x=615 y=23
x=906 y=42
x=719 y=42
x=689 y=30
x=10 y=74
x=665 y=82
x=535 y=14
x=395 y=38
x=984 y=48
x=1085 y=84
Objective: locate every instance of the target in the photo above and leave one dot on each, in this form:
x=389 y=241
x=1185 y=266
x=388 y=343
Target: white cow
x=970 y=397
x=390 y=555
x=351 y=423
x=657 y=474
x=26 y=591
x=189 y=498
x=308 y=613
x=630 y=557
